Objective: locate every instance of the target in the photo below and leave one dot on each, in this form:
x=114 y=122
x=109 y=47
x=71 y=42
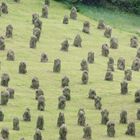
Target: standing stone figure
x=41 y=103
x=123 y=117
x=105 y=50
x=105 y=116
x=134 y=42
x=98 y=104
x=38 y=135
x=33 y=41
x=110 y=64
x=4 y=97
x=124 y=87
x=65 y=45
x=27 y=115
x=5 y=79
x=16 y=124
x=38 y=93
x=121 y=63
x=77 y=41
x=101 y=25
x=85 y=77
x=5 y=133
x=1 y=115
x=45 y=11
x=61 y=119
x=57 y=65
x=34 y=17
x=9 y=31
x=4 y=8
x=114 y=43
x=44 y=58
x=35 y=83
x=91 y=94
x=109 y=76
x=73 y=14
x=37 y=33
x=108 y=32
x=40 y=122
x=111 y=129
x=61 y=102
x=66 y=93
x=38 y=23
x=11 y=92
x=65 y=81
x=137 y=96
x=90 y=57
x=81 y=117
x=138 y=114
x=22 y=68
x=130 y=129
x=65 y=20
x=2 y=43
x=136 y=64
x=84 y=65
x=128 y=75
x=10 y=55
x=86 y=27
x=87 y=132
x=63 y=132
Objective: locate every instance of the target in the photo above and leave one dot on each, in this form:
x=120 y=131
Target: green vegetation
x=53 y=33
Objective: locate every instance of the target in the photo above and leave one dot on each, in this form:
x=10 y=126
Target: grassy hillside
x=53 y=33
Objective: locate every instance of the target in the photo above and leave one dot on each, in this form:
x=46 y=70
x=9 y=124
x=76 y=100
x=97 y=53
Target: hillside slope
x=53 y=33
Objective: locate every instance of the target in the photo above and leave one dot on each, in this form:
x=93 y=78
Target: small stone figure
x=38 y=23
x=98 y=104
x=1 y=115
x=33 y=42
x=57 y=65
x=38 y=93
x=73 y=14
x=84 y=65
x=61 y=119
x=44 y=58
x=121 y=63
x=105 y=116
x=86 y=27
x=22 y=68
x=130 y=129
x=16 y=124
x=85 y=77
x=66 y=93
x=105 y=50
x=11 y=93
x=65 y=45
x=61 y=102
x=34 y=17
x=5 y=79
x=123 y=117
x=63 y=132
x=38 y=135
x=65 y=81
x=10 y=55
x=136 y=64
x=134 y=42
x=5 y=133
x=9 y=31
x=87 y=132
x=4 y=8
x=114 y=43
x=128 y=75
x=109 y=76
x=45 y=11
x=101 y=25
x=90 y=57
x=81 y=117
x=35 y=83
x=111 y=129
x=2 y=43
x=137 y=96
x=41 y=103
x=110 y=64
x=4 y=97
x=65 y=20
x=108 y=32
x=138 y=114
x=27 y=115
x=40 y=122
x=91 y=94
x=77 y=41
x=124 y=87
x=37 y=33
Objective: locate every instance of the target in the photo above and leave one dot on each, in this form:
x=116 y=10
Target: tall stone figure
x=136 y=64
x=63 y=132
x=81 y=117
x=10 y=55
x=66 y=93
x=98 y=104
x=40 y=122
x=4 y=8
x=11 y=92
x=2 y=43
x=134 y=42
x=16 y=124
x=4 y=97
x=137 y=96
x=1 y=115
x=35 y=83
x=66 y=20
x=110 y=64
x=124 y=87
x=33 y=41
x=37 y=33
x=73 y=14
x=61 y=119
x=77 y=41
x=90 y=57
x=101 y=25
x=108 y=32
x=27 y=115
x=86 y=27
x=61 y=102
x=87 y=132
x=130 y=129
x=105 y=50
x=45 y=11
x=114 y=43
x=109 y=76
x=5 y=78
x=65 y=45
x=57 y=65
x=104 y=116
x=85 y=77
x=38 y=93
x=121 y=63
x=84 y=65
x=22 y=68
x=38 y=23
x=65 y=81
x=111 y=129
x=123 y=117
x=38 y=135
x=128 y=75
x=138 y=114
x=35 y=16
x=5 y=133
x=9 y=31
x=41 y=103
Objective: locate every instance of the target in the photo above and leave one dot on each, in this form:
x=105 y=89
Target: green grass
x=53 y=33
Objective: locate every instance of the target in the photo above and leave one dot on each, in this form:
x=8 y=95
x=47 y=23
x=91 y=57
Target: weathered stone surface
x=114 y=43
x=91 y=94
x=44 y=58
x=61 y=119
x=27 y=115
x=111 y=129
x=40 y=122
x=61 y=102
x=73 y=14
x=104 y=116
x=85 y=77
x=137 y=96
x=2 y=43
x=101 y=25
x=5 y=133
x=121 y=63
x=9 y=31
x=98 y=104
x=108 y=32
x=16 y=124
x=63 y=132
x=134 y=42
x=65 y=45
x=45 y=11
x=77 y=41
x=130 y=129
x=86 y=27
x=136 y=64
x=124 y=87
x=123 y=117
x=66 y=93
x=90 y=57
x=41 y=103
x=105 y=50
x=66 y=20
x=57 y=65
x=10 y=55
x=81 y=117
x=128 y=75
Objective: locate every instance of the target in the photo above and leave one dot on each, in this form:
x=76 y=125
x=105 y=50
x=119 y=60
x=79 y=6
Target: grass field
x=53 y=33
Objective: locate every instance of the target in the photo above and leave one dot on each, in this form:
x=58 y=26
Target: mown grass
x=53 y=33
